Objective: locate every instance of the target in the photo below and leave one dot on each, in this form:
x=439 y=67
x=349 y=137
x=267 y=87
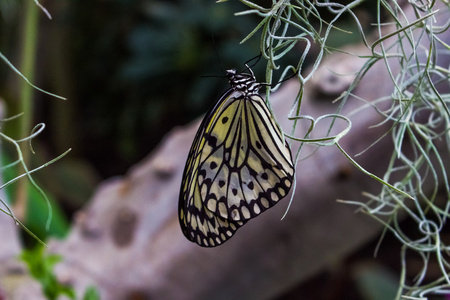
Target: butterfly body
x=238 y=166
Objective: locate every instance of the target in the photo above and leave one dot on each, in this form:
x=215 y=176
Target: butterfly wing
x=246 y=166
x=199 y=224
x=239 y=165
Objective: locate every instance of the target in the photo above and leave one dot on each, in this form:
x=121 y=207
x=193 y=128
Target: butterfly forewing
x=239 y=165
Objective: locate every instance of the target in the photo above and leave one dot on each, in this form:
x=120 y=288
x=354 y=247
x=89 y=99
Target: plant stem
x=28 y=57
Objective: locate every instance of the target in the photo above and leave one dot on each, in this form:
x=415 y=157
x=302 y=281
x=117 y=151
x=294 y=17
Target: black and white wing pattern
x=238 y=166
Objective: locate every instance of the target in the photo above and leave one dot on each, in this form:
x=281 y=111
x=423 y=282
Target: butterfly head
x=245 y=82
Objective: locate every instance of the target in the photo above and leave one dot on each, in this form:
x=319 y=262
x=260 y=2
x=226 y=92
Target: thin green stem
x=29 y=42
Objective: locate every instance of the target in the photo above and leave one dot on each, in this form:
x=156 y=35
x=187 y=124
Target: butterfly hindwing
x=239 y=165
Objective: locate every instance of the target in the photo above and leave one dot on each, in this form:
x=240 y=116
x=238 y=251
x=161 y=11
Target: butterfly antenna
x=218 y=59
x=285 y=79
x=217 y=54
x=248 y=67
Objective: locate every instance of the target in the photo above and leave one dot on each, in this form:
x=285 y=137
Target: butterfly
x=239 y=165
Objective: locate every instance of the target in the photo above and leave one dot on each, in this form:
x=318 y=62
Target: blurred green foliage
x=41 y=268
x=375 y=282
